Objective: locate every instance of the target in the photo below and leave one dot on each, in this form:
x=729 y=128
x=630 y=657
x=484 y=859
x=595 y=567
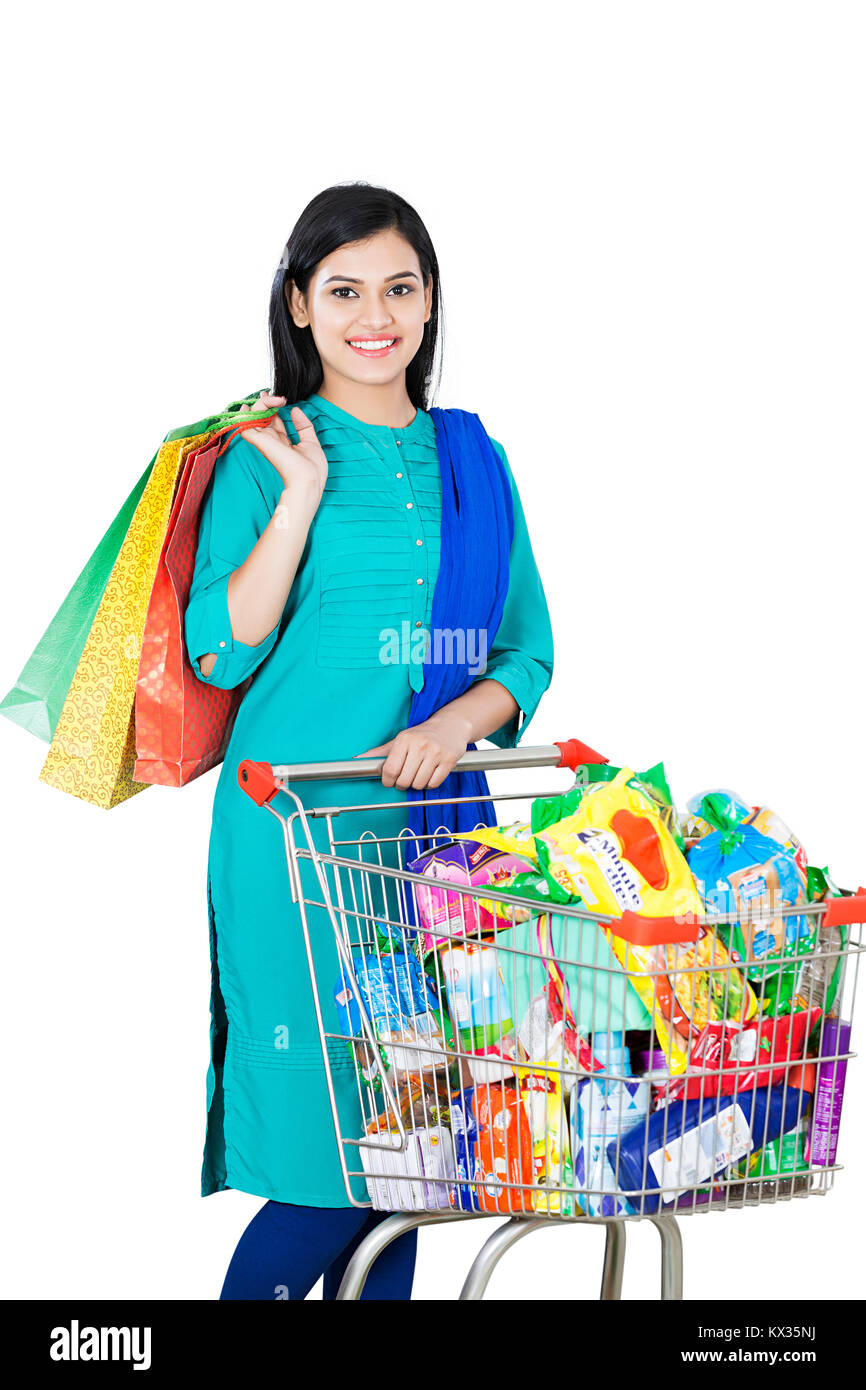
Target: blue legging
x=286 y=1249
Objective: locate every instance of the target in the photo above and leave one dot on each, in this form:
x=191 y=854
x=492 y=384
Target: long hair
x=347 y=212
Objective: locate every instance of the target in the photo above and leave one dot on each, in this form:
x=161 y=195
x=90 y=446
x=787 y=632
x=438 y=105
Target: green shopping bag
x=38 y=696
x=36 y=699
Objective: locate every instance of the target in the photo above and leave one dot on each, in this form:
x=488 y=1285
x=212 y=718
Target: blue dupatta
x=477 y=531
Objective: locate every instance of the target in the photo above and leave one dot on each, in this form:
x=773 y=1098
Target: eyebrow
x=402 y=275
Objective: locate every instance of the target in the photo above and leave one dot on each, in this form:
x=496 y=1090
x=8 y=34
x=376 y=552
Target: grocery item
x=547 y=1037
x=618 y=855
x=402 y=1008
x=739 y=871
x=823 y=1138
x=477 y=998
x=651 y=1066
x=730 y=1056
x=516 y=839
x=503 y=1149
x=684 y=1145
x=780 y=1168
x=528 y=884
x=653 y=782
x=468 y=862
x=417 y=1178
x=715 y=810
x=821 y=974
x=552 y=1173
x=464 y=1127
x=601 y=1109
x=422 y=1101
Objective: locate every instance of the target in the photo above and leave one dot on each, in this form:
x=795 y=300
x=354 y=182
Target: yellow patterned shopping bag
x=92 y=754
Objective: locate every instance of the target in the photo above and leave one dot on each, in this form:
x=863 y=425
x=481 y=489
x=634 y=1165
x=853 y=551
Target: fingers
x=414 y=763
x=373 y=752
x=266 y=401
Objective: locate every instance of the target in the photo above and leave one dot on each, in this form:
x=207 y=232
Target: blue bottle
x=608 y=1105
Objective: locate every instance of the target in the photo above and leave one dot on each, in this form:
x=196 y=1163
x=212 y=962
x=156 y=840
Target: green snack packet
x=547 y=810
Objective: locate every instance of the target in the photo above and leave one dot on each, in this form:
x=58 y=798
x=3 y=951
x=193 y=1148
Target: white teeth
x=362 y=343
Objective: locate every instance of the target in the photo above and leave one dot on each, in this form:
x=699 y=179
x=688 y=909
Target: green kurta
x=320 y=691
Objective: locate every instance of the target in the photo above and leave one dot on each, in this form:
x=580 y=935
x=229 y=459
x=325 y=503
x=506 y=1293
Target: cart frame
x=262 y=782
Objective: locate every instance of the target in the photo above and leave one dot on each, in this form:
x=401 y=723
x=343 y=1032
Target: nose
x=377 y=318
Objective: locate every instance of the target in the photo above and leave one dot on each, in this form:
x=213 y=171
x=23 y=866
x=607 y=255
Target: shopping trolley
x=493 y=1036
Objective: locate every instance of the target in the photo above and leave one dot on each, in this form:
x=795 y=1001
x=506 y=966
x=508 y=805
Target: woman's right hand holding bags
x=303 y=467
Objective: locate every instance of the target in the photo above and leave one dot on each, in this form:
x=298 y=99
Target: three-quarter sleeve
x=521 y=655
x=238 y=505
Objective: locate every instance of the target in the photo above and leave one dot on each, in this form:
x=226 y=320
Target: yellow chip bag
x=514 y=839
x=618 y=855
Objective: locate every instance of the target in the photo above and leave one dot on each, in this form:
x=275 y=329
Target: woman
x=318 y=534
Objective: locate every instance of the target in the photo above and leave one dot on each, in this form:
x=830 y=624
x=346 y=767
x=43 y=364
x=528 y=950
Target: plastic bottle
x=827 y=1106
x=609 y=1105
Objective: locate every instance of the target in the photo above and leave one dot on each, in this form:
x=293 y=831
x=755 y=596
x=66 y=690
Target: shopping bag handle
x=262 y=781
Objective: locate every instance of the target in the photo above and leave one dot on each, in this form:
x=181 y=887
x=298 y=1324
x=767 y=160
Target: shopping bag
x=92 y=754
x=36 y=699
x=182 y=726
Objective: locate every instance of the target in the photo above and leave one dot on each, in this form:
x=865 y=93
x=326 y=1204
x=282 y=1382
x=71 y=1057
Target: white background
x=650 y=225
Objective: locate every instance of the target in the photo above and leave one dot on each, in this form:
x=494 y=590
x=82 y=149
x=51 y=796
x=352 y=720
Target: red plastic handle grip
x=258 y=781
x=575 y=754
x=655 y=931
x=845 y=911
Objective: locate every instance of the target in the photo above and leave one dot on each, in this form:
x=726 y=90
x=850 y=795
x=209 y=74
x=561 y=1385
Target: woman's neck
x=388 y=404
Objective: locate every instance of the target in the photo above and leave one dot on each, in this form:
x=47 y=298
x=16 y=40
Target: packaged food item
x=516 y=839
x=548 y=1037
x=739 y=871
x=423 y=1103
x=402 y=1007
x=682 y=1146
x=477 y=999
x=653 y=782
x=618 y=855
x=730 y=1056
x=552 y=1173
x=417 y=1178
x=821 y=974
x=468 y=862
x=716 y=810
x=601 y=1109
x=529 y=884
x=503 y=1149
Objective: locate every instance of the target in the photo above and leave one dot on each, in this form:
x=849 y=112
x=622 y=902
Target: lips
x=386 y=340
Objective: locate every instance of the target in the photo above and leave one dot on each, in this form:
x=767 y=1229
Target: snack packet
x=653 y=782
x=739 y=871
x=470 y=862
x=403 y=1009
x=617 y=854
x=716 y=810
x=503 y=1149
x=734 y=1057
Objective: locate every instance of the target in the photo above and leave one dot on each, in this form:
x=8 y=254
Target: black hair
x=344 y=213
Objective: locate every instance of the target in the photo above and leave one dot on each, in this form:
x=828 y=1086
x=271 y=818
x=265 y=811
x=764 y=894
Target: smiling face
x=365 y=293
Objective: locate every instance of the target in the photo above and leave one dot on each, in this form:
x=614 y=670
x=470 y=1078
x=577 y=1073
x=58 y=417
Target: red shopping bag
x=182 y=726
